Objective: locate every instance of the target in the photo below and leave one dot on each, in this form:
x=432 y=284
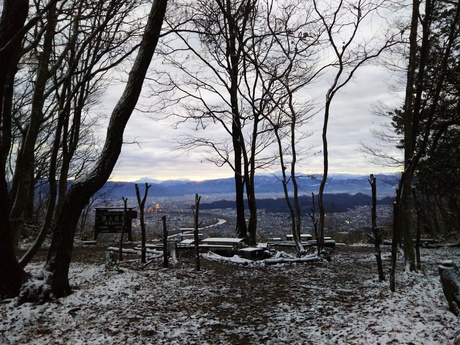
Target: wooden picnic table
x=222 y=242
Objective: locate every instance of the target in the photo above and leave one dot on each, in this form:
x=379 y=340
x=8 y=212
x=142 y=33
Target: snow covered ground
x=337 y=302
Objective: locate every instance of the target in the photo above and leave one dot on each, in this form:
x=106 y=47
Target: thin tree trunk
x=395 y=242
x=418 y=230
x=24 y=171
x=233 y=56
x=123 y=228
x=165 y=243
x=314 y=221
x=196 y=213
x=322 y=212
x=376 y=231
x=141 y=203
x=294 y=212
x=252 y=205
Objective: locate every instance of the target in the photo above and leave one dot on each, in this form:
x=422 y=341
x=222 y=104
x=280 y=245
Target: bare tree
x=80 y=192
x=236 y=58
x=343 y=23
x=72 y=81
x=279 y=59
x=206 y=51
x=78 y=195
x=419 y=113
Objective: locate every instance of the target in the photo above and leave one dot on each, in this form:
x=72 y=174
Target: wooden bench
x=234 y=243
x=186 y=243
x=303 y=237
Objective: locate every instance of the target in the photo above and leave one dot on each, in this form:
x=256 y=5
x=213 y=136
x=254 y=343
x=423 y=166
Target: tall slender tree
x=422 y=119
x=207 y=50
x=344 y=25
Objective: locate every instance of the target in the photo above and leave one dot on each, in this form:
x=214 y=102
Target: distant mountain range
x=264 y=184
x=341 y=202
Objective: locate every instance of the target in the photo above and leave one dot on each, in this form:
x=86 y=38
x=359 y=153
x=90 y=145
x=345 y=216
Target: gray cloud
x=151 y=141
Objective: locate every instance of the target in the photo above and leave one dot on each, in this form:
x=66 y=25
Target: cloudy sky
x=150 y=149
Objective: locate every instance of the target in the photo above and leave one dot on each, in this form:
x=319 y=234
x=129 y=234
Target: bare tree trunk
x=314 y=221
x=322 y=211
x=165 y=243
x=24 y=171
x=407 y=221
x=252 y=203
x=14 y=15
x=346 y=67
x=394 y=243
x=123 y=228
x=196 y=212
x=412 y=110
x=50 y=210
x=376 y=231
x=418 y=230
x=141 y=203
x=294 y=212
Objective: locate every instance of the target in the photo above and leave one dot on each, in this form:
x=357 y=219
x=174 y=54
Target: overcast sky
x=352 y=122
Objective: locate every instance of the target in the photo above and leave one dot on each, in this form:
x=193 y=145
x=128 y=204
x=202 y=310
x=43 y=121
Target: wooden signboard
x=111 y=221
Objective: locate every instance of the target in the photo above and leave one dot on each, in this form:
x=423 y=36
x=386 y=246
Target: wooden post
x=315 y=222
x=196 y=209
x=375 y=230
x=165 y=243
x=123 y=228
x=394 y=245
x=141 y=203
x=418 y=213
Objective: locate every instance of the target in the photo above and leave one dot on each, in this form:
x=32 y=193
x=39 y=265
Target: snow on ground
x=337 y=302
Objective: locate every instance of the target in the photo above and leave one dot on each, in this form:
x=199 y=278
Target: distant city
x=347 y=205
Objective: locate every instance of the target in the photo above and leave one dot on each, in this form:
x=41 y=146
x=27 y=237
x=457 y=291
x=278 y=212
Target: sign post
x=112 y=221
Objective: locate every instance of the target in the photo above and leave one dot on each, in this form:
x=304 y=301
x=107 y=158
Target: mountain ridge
x=264 y=184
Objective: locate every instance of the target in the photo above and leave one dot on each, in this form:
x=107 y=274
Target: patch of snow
x=338 y=302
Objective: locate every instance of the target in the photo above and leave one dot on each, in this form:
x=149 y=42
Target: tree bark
x=294 y=211
x=322 y=185
x=165 y=243
x=80 y=192
x=14 y=15
x=123 y=228
x=141 y=203
x=450 y=280
x=25 y=164
x=196 y=213
x=252 y=206
x=376 y=231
